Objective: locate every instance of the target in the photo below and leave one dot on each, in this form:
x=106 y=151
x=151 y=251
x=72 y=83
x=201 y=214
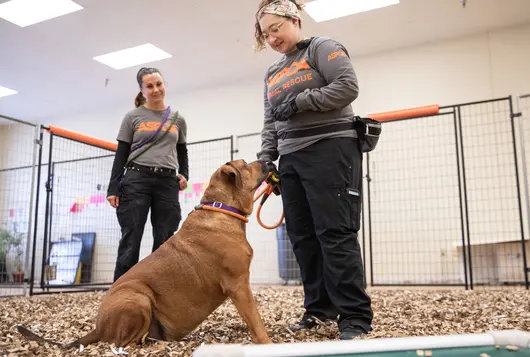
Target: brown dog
x=174 y=289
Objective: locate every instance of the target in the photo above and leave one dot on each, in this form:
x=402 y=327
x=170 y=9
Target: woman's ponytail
x=139 y=100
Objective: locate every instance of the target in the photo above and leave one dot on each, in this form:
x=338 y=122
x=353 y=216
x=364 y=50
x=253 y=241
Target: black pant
x=141 y=191
x=321 y=194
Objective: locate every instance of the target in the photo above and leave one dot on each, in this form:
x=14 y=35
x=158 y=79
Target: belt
x=298 y=133
x=158 y=170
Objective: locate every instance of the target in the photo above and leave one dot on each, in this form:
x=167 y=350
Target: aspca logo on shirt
x=334 y=55
x=293 y=69
x=153 y=125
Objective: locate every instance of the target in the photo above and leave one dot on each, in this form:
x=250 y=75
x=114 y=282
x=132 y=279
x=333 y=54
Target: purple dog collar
x=222 y=206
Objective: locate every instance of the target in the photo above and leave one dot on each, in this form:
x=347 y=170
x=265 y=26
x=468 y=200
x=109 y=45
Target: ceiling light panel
x=29 y=12
x=133 y=56
x=324 y=10
x=4 y=92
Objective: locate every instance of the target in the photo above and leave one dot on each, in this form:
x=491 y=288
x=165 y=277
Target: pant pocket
x=352 y=200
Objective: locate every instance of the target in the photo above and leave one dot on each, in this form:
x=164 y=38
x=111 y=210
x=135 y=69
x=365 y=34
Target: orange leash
x=273 y=186
x=215 y=209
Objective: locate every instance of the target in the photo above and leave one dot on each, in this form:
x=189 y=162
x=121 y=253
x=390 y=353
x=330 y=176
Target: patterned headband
x=285 y=8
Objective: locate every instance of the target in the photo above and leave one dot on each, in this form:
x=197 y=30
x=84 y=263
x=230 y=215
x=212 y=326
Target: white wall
x=478 y=67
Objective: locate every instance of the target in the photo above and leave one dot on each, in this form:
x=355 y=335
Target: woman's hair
x=260 y=43
x=140 y=99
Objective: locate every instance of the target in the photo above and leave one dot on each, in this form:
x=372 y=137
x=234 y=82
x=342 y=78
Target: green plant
x=8 y=240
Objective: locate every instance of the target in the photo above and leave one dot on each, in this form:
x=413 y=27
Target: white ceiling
x=51 y=64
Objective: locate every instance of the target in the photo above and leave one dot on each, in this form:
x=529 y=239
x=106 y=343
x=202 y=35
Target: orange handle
x=406 y=113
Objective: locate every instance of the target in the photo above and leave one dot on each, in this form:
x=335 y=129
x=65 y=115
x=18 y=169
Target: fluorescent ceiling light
x=323 y=10
x=28 y=12
x=133 y=56
x=4 y=92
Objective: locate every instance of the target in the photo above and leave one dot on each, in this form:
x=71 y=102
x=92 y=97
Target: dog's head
x=235 y=184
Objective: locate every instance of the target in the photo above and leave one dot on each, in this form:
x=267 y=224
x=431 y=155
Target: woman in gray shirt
x=150 y=167
x=308 y=125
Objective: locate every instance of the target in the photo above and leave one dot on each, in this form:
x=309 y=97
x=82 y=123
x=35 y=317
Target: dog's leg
x=126 y=321
x=241 y=296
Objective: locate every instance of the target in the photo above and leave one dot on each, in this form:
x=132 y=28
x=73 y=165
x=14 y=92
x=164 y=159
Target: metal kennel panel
x=17 y=192
x=522 y=121
x=415 y=201
x=77 y=233
x=493 y=201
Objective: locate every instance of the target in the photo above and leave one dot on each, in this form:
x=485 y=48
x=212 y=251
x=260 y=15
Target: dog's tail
x=91 y=337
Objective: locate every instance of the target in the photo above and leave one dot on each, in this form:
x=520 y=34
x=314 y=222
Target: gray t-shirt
x=322 y=79
x=140 y=123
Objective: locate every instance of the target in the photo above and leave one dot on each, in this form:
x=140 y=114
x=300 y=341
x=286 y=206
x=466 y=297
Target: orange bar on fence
x=82 y=138
x=406 y=113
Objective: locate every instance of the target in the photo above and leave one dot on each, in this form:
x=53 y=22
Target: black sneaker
x=350 y=333
x=307 y=322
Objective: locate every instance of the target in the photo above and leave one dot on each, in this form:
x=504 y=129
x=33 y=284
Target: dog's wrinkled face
x=235 y=183
x=245 y=176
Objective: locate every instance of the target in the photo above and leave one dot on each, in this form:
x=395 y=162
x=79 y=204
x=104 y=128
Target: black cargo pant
x=141 y=191
x=321 y=194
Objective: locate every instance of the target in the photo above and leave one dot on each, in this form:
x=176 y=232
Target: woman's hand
x=114 y=201
x=182 y=182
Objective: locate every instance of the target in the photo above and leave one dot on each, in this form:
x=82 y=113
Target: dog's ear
x=231 y=174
